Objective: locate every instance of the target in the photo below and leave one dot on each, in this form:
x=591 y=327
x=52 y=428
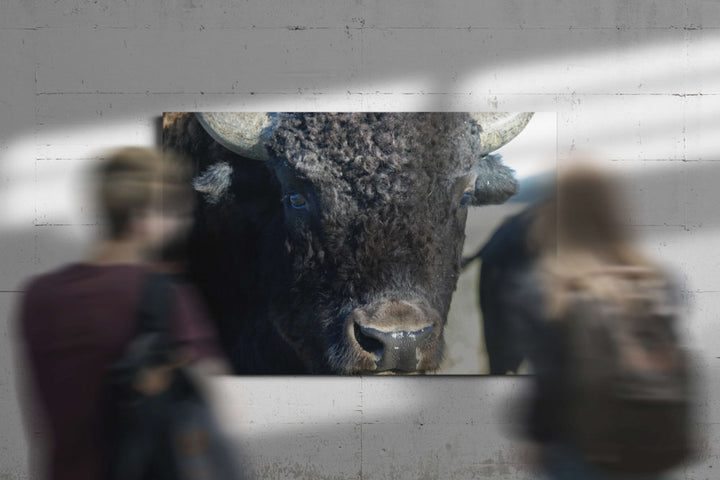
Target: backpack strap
x=151 y=343
x=155 y=306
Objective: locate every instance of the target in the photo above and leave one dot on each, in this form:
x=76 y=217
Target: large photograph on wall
x=353 y=243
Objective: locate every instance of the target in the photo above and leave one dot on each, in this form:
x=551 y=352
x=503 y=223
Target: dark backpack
x=627 y=408
x=171 y=435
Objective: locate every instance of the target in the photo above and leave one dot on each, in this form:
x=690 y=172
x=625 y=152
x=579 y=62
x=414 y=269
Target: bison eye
x=297 y=201
x=465 y=199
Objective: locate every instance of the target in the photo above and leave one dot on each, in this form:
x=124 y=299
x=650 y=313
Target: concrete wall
x=639 y=81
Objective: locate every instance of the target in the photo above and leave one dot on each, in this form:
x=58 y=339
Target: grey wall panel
x=636 y=81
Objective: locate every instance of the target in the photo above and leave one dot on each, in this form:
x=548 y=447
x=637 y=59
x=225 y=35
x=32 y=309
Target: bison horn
x=244 y=133
x=498 y=128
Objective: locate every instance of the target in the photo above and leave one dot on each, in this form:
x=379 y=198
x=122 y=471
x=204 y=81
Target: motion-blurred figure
x=611 y=388
x=77 y=321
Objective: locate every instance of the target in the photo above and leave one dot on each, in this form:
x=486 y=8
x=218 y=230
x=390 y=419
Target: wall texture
x=638 y=81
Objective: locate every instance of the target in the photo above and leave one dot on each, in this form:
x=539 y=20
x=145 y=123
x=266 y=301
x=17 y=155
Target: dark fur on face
x=352 y=211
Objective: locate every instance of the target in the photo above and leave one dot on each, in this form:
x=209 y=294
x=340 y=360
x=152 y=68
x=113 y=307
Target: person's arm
x=32 y=412
x=154 y=380
x=196 y=347
x=194 y=332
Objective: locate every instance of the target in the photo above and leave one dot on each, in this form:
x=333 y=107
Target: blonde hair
x=130 y=179
x=581 y=239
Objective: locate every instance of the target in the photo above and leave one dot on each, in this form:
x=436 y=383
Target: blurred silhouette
x=611 y=394
x=115 y=337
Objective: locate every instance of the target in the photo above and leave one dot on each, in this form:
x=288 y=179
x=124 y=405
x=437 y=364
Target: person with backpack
x=84 y=328
x=611 y=390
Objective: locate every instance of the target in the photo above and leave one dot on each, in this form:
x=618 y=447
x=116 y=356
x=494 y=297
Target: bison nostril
x=393 y=349
x=368 y=342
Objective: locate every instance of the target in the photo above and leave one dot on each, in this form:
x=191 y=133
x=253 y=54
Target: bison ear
x=495 y=182
x=214 y=182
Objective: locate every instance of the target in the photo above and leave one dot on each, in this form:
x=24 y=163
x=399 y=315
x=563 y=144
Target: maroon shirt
x=74 y=323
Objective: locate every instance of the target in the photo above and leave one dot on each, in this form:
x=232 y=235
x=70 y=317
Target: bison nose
x=397 y=350
x=393 y=334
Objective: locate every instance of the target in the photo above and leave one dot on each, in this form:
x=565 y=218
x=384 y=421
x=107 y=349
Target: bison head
x=340 y=252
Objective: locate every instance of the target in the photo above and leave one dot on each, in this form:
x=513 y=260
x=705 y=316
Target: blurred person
x=77 y=321
x=611 y=391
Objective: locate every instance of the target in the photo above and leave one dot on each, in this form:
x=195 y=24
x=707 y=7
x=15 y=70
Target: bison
x=331 y=242
x=509 y=294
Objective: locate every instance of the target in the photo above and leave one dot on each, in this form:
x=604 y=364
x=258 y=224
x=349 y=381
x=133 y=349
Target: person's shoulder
x=43 y=281
x=53 y=281
x=38 y=292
